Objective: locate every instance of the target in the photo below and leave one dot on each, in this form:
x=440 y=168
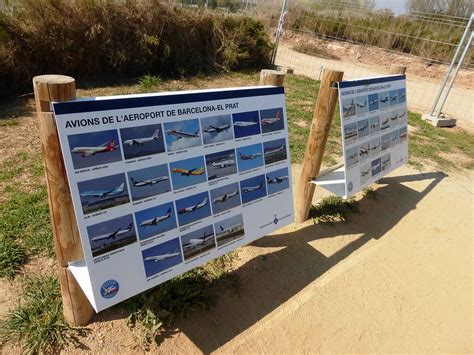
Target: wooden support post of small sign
x=271 y=77
x=397 y=69
x=48 y=88
x=318 y=135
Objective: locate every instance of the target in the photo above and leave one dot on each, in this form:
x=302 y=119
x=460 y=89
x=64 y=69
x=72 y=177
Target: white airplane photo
x=216 y=129
x=156 y=220
x=271 y=120
x=193 y=243
x=223 y=163
x=277 y=180
x=275 y=150
x=250 y=156
x=117 y=190
x=87 y=151
x=113 y=235
x=157 y=258
x=252 y=188
x=142 y=141
x=182 y=134
x=245 y=123
x=148 y=182
x=225 y=197
x=194 y=207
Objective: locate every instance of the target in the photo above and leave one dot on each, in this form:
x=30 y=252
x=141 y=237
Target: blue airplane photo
x=253 y=188
x=278 y=180
x=149 y=182
x=155 y=220
x=142 y=141
x=182 y=134
x=161 y=257
x=193 y=208
x=250 y=157
x=246 y=124
x=373 y=102
x=393 y=97
x=97 y=148
x=402 y=95
x=188 y=172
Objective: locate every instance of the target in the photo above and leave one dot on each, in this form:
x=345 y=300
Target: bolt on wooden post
x=318 y=135
x=48 y=88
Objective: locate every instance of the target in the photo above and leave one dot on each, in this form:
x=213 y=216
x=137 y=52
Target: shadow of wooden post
x=48 y=88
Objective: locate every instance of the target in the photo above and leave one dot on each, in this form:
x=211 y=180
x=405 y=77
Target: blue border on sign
x=349 y=83
x=92 y=105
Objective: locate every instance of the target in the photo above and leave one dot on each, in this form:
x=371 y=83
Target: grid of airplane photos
x=374 y=129
x=161 y=184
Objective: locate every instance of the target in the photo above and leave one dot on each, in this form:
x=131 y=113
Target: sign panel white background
x=164 y=183
x=374 y=129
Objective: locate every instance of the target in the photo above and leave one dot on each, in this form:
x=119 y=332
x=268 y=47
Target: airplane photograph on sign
x=221 y=164
x=96 y=148
x=155 y=220
x=272 y=120
x=193 y=208
x=217 y=129
x=149 y=182
x=246 y=124
x=188 y=172
x=142 y=141
x=225 y=197
x=274 y=151
x=102 y=193
x=111 y=235
x=253 y=188
x=250 y=157
x=162 y=183
x=198 y=242
x=182 y=134
x=229 y=229
x=278 y=180
x=162 y=257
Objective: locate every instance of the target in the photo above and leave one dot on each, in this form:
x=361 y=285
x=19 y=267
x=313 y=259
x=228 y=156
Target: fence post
x=77 y=309
x=271 y=77
x=318 y=135
x=397 y=69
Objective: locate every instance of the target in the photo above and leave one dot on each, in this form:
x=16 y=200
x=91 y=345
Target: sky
x=397 y=6
x=94 y=139
x=154 y=267
x=187 y=126
x=180 y=181
x=251 y=163
x=217 y=121
x=253 y=195
x=272 y=188
x=163 y=226
x=146 y=174
x=148 y=148
x=232 y=202
x=200 y=213
x=251 y=116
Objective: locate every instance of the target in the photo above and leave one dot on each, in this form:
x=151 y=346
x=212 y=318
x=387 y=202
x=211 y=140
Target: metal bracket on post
x=440 y=119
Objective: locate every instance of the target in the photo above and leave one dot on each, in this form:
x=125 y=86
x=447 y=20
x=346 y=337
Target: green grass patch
x=12 y=257
x=149 y=82
x=37 y=323
x=195 y=290
x=332 y=209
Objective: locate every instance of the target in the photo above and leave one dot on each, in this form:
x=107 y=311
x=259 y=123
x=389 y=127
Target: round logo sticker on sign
x=109 y=288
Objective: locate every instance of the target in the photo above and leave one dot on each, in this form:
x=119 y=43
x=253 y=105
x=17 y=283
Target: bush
x=88 y=39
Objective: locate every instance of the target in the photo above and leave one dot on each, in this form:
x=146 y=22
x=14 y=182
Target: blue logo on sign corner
x=109 y=288
x=275 y=220
x=350 y=186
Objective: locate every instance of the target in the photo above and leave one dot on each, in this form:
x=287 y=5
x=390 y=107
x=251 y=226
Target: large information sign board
x=163 y=183
x=374 y=129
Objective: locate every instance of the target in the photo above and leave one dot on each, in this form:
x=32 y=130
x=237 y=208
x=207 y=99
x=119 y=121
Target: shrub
x=89 y=39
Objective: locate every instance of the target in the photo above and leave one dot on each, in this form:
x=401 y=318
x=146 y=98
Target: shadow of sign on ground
x=269 y=281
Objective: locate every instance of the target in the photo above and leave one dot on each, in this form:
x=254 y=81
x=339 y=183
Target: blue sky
x=163 y=226
x=246 y=117
x=217 y=121
x=195 y=215
x=146 y=174
x=248 y=150
x=272 y=188
x=148 y=148
x=373 y=106
x=101 y=184
x=110 y=227
x=94 y=140
x=180 y=181
x=271 y=113
x=154 y=267
x=253 y=195
x=228 y=204
x=188 y=126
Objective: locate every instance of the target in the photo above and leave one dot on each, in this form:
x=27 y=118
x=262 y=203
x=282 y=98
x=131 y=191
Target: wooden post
x=318 y=135
x=77 y=309
x=271 y=77
x=397 y=69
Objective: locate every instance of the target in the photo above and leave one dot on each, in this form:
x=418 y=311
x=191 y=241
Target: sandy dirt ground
x=422 y=83
x=396 y=277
